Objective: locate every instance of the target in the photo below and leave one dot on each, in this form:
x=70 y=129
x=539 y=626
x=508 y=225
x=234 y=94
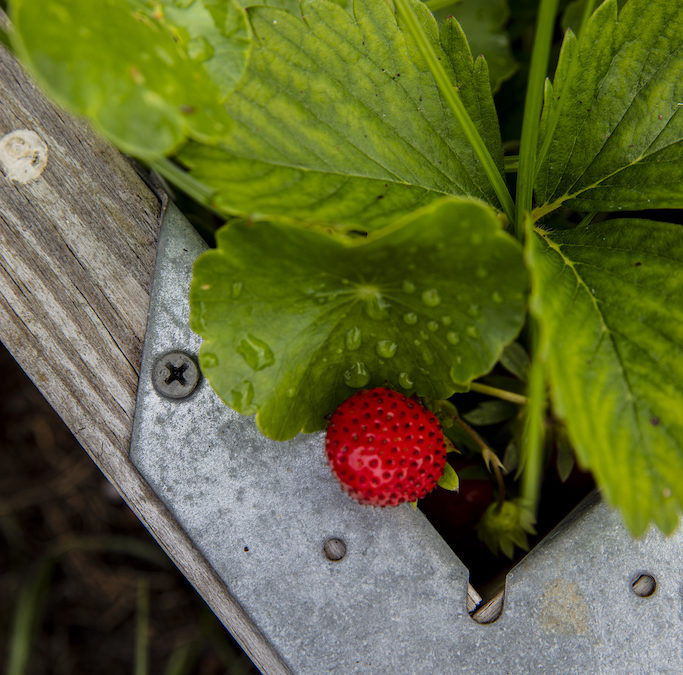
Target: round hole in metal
x=644 y=585
x=334 y=549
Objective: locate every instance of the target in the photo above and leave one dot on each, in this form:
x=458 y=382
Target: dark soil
x=52 y=499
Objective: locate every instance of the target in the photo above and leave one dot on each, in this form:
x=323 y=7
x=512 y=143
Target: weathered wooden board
x=78 y=232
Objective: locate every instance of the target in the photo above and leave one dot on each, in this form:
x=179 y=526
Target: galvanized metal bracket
x=389 y=596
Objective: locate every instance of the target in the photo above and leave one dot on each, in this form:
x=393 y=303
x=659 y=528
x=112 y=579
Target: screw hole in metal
x=644 y=585
x=334 y=549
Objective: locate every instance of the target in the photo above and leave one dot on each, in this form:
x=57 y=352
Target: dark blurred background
x=84 y=589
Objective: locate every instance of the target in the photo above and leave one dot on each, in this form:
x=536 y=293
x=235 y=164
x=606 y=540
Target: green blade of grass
x=142 y=631
x=450 y=93
x=532 y=112
x=27 y=616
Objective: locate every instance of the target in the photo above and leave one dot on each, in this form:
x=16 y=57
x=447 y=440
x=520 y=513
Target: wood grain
x=77 y=247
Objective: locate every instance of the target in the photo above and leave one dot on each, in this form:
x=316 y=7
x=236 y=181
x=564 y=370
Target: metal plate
x=260 y=511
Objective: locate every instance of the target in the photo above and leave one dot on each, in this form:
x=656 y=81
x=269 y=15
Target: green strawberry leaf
x=565 y=455
x=612 y=126
x=449 y=479
x=334 y=149
x=516 y=360
x=215 y=33
x=607 y=300
x=118 y=64
x=491 y=412
x=483 y=22
x=294 y=321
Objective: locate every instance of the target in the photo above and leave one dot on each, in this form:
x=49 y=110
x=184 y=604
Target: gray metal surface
x=261 y=512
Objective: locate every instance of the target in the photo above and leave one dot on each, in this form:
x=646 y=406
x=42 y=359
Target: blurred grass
x=84 y=589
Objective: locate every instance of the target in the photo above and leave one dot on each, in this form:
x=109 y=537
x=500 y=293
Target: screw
x=175 y=375
x=334 y=549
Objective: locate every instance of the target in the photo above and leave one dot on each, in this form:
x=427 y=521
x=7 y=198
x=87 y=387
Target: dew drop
x=497 y=297
x=386 y=348
x=472 y=331
x=446 y=320
x=291 y=392
x=410 y=318
x=255 y=352
x=199 y=49
x=453 y=337
x=405 y=381
x=236 y=289
x=376 y=307
x=209 y=360
x=408 y=287
x=427 y=356
x=242 y=397
x=473 y=311
x=433 y=326
x=353 y=338
x=431 y=297
x=357 y=375
x=481 y=272
x=423 y=335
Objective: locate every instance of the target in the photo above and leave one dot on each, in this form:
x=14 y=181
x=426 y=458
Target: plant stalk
x=532 y=113
x=587 y=12
x=503 y=394
x=450 y=93
x=184 y=181
x=434 y=5
x=484 y=447
x=534 y=429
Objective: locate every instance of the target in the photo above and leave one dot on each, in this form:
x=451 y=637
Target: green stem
x=434 y=5
x=511 y=163
x=532 y=112
x=534 y=429
x=587 y=12
x=484 y=447
x=450 y=93
x=141 y=666
x=499 y=393
x=587 y=219
x=184 y=181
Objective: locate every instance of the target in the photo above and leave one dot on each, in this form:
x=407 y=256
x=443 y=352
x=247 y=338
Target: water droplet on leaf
x=473 y=331
x=209 y=360
x=446 y=320
x=433 y=326
x=255 y=352
x=473 y=311
x=410 y=318
x=242 y=397
x=236 y=289
x=452 y=337
x=482 y=272
x=353 y=338
x=405 y=381
x=357 y=375
x=431 y=297
x=497 y=297
x=408 y=287
x=386 y=348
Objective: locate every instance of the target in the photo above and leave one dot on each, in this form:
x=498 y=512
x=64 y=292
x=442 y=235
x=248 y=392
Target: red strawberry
x=385 y=448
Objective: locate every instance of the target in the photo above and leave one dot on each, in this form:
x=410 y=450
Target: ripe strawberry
x=385 y=448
